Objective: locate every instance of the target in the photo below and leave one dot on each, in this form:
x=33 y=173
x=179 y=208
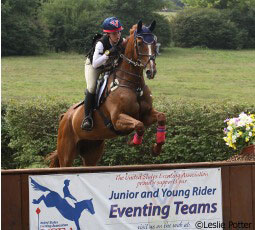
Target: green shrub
x=244 y=18
x=7 y=157
x=194 y=134
x=209 y=28
x=32 y=126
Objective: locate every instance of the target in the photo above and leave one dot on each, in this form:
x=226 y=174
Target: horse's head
x=85 y=204
x=145 y=48
x=90 y=206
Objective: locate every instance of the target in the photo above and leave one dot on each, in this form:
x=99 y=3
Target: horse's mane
x=132 y=30
x=130 y=39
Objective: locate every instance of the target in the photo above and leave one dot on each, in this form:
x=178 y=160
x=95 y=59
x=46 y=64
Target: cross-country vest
x=106 y=44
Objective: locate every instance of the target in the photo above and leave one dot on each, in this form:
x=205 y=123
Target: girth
x=137 y=89
x=109 y=125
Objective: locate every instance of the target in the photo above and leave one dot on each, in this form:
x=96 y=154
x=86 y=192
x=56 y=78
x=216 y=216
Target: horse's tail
x=53 y=158
x=37 y=186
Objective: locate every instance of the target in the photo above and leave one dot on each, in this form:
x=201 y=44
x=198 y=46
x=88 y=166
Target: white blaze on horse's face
x=150 y=69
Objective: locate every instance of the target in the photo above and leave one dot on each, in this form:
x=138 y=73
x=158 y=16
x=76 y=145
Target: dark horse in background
x=127 y=106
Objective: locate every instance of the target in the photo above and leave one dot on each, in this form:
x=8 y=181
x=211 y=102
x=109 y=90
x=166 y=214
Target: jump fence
x=238 y=190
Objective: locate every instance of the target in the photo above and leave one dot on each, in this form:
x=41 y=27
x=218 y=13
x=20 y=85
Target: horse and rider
x=53 y=199
x=106 y=49
x=126 y=100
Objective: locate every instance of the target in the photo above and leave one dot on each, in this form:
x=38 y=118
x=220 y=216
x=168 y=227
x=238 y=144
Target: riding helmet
x=112 y=24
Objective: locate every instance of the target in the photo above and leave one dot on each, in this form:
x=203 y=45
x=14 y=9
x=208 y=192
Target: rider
x=106 y=50
x=66 y=190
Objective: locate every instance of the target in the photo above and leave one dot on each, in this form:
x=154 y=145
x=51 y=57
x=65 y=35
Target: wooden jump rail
x=238 y=189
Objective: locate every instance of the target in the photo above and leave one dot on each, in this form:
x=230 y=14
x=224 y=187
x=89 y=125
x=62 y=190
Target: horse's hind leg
x=66 y=147
x=39 y=200
x=91 y=151
x=160 y=118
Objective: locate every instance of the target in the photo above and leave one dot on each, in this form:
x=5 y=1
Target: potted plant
x=240 y=133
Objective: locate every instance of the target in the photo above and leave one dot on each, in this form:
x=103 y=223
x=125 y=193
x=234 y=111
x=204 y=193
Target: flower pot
x=248 y=150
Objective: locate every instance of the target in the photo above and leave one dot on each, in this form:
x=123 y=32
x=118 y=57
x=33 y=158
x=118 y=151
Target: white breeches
x=91 y=76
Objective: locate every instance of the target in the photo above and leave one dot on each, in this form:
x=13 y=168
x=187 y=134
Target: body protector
x=113 y=60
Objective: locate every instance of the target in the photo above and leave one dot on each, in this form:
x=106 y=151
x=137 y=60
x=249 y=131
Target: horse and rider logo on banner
x=66 y=205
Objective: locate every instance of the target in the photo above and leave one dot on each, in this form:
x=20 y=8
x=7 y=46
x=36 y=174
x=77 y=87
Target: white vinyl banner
x=163 y=199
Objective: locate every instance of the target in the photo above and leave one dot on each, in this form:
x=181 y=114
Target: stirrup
x=87 y=123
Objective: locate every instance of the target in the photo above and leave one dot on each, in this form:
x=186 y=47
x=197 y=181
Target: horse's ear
x=152 y=26
x=139 y=26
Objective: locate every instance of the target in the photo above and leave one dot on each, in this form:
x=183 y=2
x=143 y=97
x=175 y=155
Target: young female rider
x=105 y=50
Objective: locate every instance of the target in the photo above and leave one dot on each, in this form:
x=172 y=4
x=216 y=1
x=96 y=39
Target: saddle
x=99 y=98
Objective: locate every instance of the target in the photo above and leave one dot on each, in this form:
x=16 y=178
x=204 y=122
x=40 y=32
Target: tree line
x=38 y=26
x=35 y=26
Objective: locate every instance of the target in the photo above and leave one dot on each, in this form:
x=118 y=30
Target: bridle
x=147 y=38
x=149 y=42
x=151 y=39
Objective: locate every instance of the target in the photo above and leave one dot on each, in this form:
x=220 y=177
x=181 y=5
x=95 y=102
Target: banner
x=155 y=199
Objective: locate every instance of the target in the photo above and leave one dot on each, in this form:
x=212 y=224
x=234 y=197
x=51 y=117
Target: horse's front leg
x=160 y=118
x=76 y=221
x=127 y=123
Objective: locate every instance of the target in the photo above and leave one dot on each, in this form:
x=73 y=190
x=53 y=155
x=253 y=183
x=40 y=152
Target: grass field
x=196 y=74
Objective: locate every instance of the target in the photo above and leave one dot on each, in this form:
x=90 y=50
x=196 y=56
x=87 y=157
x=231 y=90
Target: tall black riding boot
x=87 y=123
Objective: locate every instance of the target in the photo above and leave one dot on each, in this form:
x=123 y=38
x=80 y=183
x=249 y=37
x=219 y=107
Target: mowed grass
x=200 y=75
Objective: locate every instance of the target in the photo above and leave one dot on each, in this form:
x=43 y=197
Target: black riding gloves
x=113 y=51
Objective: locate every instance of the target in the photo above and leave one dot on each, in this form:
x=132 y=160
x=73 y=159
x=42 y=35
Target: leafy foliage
x=70 y=23
x=194 y=134
x=73 y=23
x=207 y=28
x=244 y=18
x=220 y=4
x=32 y=128
x=22 y=32
x=7 y=156
x=129 y=13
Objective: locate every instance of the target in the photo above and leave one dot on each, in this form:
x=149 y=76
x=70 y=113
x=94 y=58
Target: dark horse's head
x=145 y=47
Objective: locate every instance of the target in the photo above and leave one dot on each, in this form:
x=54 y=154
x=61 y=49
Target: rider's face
x=115 y=36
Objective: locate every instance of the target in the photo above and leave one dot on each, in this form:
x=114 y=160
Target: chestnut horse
x=127 y=106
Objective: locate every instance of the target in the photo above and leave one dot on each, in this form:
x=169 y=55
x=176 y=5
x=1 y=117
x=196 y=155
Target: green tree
x=131 y=11
x=22 y=31
x=207 y=28
x=220 y=4
x=71 y=23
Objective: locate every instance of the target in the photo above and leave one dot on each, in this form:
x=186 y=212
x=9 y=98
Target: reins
x=137 y=63
x=136 y=87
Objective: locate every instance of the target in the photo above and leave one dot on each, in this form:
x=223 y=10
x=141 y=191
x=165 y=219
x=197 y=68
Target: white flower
x=244 y=119
x=230 y=128
x=240 y=129
x=241 y=123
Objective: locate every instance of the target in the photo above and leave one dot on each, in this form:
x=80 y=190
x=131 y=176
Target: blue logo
x=53 y=199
